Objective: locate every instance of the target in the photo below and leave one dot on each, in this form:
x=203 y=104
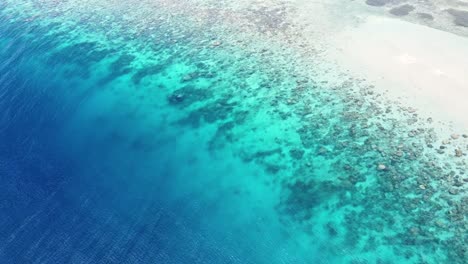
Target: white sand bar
x=419 y=66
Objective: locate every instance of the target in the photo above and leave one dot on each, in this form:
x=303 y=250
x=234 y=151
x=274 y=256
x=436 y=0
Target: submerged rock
x=458 y=183
x=381 y=167
x=176 y=98
x=188 y=77
x=414 y=231
x=296 y=153
x=440 y=223
x=377 y=2
x=322 y=151
x=410 y=109
x=461 y=17
x=425 y=16
x=403 y=10
x=147 y=71
x=188 y=95
x=332 y=231
x=216 y=43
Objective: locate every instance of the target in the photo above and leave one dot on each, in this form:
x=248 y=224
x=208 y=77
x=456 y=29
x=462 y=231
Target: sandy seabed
x=419 y=66
x=413 y=62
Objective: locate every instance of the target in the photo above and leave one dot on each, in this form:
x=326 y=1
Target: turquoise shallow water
x=178 y=132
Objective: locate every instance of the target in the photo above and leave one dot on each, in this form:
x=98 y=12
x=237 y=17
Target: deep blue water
x=73 y=192
x=53 y=211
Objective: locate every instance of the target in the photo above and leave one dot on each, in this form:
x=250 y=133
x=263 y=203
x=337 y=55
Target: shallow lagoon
x=177 y=132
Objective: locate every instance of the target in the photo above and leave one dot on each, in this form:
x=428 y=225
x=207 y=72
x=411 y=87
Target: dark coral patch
x=210 y=113
x=147 y=71
x=425 y=16
x=83 y=54
x=188 y=95
x=377 y=2
x=461 y=17
x=118 y=68
x=302 y=197
x=403 y=10
x=122 y=63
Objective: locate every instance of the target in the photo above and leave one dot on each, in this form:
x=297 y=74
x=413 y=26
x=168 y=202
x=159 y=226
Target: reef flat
x=219 y=132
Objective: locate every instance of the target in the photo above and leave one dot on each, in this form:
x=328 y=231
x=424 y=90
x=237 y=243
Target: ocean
x=197 y=132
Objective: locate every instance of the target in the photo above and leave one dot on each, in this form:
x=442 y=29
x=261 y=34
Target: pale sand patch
x=419 y=66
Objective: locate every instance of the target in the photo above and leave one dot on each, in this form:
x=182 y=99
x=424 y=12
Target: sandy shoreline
x=416 y=65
